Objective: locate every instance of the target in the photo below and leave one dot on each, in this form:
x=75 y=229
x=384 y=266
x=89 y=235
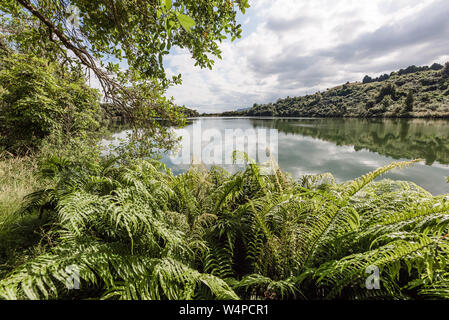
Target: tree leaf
x=186 y=22
x=168 y=4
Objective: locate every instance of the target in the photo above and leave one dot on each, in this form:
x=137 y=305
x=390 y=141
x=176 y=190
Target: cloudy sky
x=295 y=47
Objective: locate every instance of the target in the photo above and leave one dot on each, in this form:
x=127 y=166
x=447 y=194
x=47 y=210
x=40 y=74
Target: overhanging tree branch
x=111 y=88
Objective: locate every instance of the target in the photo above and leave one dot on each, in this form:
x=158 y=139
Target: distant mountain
x=411 y=92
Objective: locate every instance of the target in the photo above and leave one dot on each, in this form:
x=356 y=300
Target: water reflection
x=349 y=148
x=398 y=138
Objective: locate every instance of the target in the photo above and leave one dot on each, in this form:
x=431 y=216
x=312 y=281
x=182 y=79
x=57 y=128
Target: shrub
x=383 y=77
x=370 y=104
x=445 y=71
x=412 y=69
x=409 y=102
x=436 y=67
x=388 y=90
x=367 y=79
x=39 y=98
x=386 y=102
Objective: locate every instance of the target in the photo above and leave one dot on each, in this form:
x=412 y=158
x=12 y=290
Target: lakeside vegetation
x=133 y=230
x=414 y=92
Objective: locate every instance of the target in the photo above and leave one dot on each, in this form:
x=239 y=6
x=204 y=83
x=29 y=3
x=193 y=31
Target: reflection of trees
x=120 y=125
x=396 y=138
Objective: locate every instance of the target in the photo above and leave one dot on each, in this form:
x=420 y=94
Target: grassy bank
x=17 y=179
x=18 y=234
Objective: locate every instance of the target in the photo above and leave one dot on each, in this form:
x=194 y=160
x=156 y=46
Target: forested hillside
x=412 y=92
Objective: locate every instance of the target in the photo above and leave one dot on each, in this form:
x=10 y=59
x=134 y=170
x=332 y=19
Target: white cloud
x=293 y=47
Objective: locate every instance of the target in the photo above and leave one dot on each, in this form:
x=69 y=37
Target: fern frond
x=355 y=186
x=411 y=252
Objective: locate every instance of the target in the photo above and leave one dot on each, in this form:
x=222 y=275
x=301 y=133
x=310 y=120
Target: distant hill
x=189 y=113
x=411 y=92
x=114 y=112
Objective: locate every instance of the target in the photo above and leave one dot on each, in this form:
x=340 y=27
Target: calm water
x=348 y=148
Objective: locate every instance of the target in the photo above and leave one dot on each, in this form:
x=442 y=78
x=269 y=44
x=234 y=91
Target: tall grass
x=17 y=179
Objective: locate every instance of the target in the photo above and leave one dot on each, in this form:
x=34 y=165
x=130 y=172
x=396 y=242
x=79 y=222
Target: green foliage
x=436 y=66
x=142 y=33
x=40 y=98
x=388 y=90
x=385 y=96
x=445 y=71
x=367 y=79
x=189 y=113
x=101 y=36
x=409 y=102
x=135 y=231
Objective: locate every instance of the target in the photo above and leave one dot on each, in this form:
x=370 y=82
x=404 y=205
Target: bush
x=386 y=102
x=412 y=69
x=367 y=79
x=388 y=90
x=39 y=98
x=445 y=71
x=436 y=67
x=409 y=102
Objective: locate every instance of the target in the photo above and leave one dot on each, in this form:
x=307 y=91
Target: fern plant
x=115 y=225
x=136 y=231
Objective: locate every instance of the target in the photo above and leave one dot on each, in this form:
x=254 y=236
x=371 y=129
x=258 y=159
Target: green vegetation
x=418 y=92
x=17 y=180
x=99 y=37
x=135 y=231
x=132 y=229
x=39 y=98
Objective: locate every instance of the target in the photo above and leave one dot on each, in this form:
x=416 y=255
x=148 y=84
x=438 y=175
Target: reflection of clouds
x=216 y=146
x=108 y=145
x=441 y=166
x=299 y=155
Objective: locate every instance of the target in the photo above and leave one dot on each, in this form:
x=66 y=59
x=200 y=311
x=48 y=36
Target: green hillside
x=412 y=92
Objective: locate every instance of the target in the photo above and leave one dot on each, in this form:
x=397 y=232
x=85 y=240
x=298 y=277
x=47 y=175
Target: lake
x=347 y=148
